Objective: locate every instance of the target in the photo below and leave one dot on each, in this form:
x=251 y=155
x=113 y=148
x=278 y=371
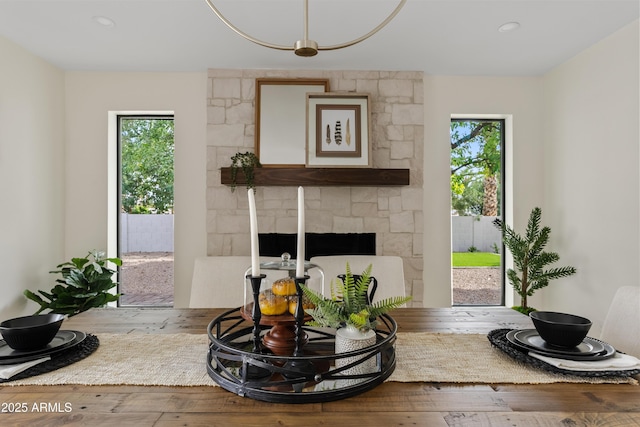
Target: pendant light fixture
x=306 y=47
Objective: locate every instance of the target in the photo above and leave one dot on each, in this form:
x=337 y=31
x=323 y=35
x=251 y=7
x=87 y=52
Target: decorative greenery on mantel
x=247 y=162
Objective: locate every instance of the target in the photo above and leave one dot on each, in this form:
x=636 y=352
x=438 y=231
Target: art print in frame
x=338 y=130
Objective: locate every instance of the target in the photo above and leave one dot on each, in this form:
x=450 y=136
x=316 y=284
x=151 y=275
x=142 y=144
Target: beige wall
x=90 y=98
x=591 y=179
x=31 y=171
x=517 y=99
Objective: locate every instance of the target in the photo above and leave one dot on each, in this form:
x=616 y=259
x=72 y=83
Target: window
x=477 y=198
x=145 y=200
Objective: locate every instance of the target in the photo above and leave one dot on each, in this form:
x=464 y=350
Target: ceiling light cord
x=305 y=47
x=305 y=14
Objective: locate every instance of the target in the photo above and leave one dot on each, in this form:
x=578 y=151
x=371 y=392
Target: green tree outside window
x=475 y=166
x=147 y=165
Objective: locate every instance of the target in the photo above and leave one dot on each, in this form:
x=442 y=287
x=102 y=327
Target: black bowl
x=31 y=332
x=560 y=329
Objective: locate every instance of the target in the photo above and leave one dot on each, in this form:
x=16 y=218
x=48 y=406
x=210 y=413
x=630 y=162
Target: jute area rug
x=179 y=360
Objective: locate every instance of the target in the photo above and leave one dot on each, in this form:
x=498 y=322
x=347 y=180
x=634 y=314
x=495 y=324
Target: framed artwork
x=280 y=119
x=338 y=130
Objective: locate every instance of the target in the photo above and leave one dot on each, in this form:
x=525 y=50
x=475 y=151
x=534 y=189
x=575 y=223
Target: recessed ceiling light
x=508 y=27
x=104 y=21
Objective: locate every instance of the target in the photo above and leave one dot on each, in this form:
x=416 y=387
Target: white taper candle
x=300 y=255
x=253 y=220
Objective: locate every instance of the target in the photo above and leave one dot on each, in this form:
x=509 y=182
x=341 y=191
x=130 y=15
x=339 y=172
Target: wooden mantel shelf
x=315 y=177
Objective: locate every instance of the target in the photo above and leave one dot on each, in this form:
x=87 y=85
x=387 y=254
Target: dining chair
x=218 y=281
x=621 y=326
x=388 y=271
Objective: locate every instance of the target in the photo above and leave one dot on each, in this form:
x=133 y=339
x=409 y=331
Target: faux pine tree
x=530 y=259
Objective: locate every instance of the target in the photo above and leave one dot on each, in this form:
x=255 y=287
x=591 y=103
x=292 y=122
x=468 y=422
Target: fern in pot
x=354 y=317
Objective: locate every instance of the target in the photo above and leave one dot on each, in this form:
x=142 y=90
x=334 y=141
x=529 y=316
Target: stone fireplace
x=393 y=214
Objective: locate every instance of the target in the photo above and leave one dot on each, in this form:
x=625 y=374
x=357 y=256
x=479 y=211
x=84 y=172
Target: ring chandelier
x=306 y=47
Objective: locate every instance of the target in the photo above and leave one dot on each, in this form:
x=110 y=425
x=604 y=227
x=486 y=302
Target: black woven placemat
x=61 y=359
x=498 y=337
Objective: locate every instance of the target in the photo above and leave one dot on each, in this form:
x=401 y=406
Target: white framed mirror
x=280 y=135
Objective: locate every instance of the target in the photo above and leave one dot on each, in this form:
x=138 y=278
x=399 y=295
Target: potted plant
x=530 y=259
x=350 y=312
x=247 y=162
x=84 y=284
x=349 y=305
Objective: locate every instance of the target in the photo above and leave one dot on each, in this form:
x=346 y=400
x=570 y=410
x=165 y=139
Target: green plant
x=247 y=162
x=524 y=310
x=85 y=284
x=472 y=249
x=530 y=259
x=496 y=249
x=349 y=304
x=147 y=165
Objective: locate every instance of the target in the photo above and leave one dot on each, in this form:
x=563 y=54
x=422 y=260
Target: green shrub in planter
x=84 y=284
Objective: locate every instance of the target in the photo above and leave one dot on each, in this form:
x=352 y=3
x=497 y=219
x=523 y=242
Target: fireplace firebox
x=317 y=244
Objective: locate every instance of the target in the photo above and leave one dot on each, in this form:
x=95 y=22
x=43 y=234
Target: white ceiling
x=447 y=37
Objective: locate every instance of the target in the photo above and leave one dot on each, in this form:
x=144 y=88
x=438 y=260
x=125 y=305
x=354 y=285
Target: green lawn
x=475 y=259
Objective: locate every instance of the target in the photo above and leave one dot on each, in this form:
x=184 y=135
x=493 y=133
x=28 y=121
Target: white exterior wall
x=146 y=233
x=476 y=231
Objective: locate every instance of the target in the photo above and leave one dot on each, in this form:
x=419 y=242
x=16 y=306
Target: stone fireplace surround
x=394 y=214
